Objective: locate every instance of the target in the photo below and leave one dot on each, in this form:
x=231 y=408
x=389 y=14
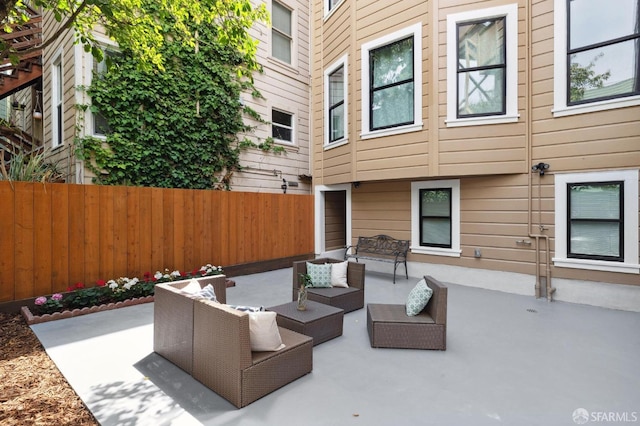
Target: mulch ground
x=32 y=389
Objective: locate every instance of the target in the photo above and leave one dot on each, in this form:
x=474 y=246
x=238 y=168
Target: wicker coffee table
x=320 y=321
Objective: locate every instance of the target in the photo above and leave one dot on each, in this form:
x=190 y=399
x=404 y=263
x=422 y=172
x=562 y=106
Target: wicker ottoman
x=320 y=321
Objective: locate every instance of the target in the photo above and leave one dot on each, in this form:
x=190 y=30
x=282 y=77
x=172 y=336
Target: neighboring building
x=461 y=127
x=285 y=83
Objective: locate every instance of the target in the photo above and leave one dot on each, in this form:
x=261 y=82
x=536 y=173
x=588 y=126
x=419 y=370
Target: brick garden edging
x=37 y=319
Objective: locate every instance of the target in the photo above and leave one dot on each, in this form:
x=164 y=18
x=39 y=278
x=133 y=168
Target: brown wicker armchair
x=389 y=326
x=173 y=319
x=223 y=360
x=349 y=299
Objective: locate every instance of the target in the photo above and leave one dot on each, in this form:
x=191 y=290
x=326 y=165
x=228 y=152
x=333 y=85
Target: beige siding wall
x=285 y=87
x=63 y=154
x=502 y=203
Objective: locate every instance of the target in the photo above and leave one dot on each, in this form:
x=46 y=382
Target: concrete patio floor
x=510 y=359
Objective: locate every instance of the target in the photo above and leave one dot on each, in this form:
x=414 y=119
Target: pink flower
x=41 y=301
x=57 y=296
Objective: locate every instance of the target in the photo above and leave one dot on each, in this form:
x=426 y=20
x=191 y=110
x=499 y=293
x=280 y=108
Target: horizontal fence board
x=57 y=235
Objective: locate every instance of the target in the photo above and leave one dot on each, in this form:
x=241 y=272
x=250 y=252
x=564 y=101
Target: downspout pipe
x=540 y=168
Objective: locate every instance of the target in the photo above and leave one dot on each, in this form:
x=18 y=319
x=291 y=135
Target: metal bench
x=383 y=248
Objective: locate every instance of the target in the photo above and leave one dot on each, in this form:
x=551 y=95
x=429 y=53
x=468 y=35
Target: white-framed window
x=599 y=69
x=57 y=103
x=482 y=66
x=281 y=32
x=335 y=93
x=331 y=5
x=596 y=221
x=435 y=217
x=282 y=126
x=392 y=83
x=99 y=124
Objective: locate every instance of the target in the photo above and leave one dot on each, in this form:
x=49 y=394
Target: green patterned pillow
x=320 y=274
x=418 y=298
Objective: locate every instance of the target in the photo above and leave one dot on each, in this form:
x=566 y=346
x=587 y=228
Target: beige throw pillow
x=339 y=274
x=263 y=332
x=192 y=288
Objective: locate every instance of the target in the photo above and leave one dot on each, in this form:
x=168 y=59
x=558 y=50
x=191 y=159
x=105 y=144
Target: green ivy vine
x=176 y=128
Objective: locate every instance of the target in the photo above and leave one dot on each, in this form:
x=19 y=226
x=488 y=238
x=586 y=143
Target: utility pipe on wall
x=540 y=168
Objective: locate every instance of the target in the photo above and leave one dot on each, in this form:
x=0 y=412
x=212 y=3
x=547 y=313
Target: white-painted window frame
x=294 y=44
x=454 y=185
x=630 y=178
x=342 y=62
x=415 y=31
x=57 y=100
x=328 y=10
x=90 y=65
x=510 y=13
x=560 y=107
x=293 y=127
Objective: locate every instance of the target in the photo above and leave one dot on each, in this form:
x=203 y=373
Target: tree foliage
x=173 y=128
x=140 y=25
x=585 y=77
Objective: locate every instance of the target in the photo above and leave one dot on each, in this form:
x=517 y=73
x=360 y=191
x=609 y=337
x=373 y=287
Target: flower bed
x=106 y=295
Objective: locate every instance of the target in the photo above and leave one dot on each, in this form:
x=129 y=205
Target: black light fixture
x=284 y=186
x=540 y=168
x=356 y=184
x=17 y=106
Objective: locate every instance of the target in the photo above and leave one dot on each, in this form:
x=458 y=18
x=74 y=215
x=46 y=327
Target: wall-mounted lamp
x=284 y=186
x=356 y=184
x=540 y=168
x=18 y=106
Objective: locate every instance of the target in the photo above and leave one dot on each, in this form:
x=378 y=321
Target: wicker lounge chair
x=349 y=299
x=173 y=319
x=223 y=360
x=389 y=326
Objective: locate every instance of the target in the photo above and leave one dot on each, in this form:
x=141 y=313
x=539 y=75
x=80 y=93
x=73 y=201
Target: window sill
x=284 y=66
x=435 y=251
x=563 y=111
x=597 y=265
x=336 y=144
x=481 y=121
x=392 y=131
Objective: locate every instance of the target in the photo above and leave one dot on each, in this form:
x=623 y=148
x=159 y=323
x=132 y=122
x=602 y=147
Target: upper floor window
x=482 y=66
x=392 y=83
x=281 y=32
x=100 y=124
x=602 y=64
x=435 y=217
x=336 y=101
x=57 y=128
x=282 y=126
x=330 y=5
x=596 y=221
x=597 y=55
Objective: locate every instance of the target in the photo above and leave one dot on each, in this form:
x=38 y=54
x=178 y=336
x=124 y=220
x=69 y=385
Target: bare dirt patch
x=32 y=389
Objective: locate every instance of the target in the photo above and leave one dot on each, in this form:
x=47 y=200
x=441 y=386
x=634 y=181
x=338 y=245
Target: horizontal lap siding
x=333 y=165
x=57 y=235
x=600 y=140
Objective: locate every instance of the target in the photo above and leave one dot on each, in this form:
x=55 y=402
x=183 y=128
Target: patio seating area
x=510 y=359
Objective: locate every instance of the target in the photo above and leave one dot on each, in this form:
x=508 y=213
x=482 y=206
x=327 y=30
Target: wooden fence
x=55 y=235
